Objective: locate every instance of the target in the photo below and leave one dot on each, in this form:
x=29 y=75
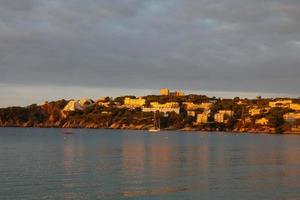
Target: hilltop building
x=165 y=92
x=177 y=93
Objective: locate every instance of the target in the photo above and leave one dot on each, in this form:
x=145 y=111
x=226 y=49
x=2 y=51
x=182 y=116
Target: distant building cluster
x=202 y=112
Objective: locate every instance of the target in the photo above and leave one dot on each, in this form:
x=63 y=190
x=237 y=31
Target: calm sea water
x=111 y=164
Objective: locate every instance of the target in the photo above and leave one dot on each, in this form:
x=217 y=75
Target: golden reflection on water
x=133 y=165
x=220 y=166
x=163 y=166
x=133 y=158
x=147 y=164
x=155 y=191
x=73 y=162
x=279 y=164
x=68 y=149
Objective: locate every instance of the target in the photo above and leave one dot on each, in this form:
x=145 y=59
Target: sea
x=124 y=164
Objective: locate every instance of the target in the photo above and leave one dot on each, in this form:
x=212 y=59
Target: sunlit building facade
x=129 y=102
x=223 y=116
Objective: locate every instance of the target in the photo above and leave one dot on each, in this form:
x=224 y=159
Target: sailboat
x=156 y=124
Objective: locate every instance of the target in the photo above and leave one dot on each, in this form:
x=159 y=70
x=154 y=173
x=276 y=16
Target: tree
x=276 y=119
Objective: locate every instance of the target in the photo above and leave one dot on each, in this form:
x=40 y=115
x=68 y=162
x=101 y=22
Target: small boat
x=156 y=124
x=67 y=132
x=154 y=130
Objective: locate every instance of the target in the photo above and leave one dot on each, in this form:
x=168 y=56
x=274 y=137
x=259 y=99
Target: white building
x=291 y=117
x=162 y=110
x=78 y=105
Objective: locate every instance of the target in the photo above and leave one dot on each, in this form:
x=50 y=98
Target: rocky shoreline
x=141 y=127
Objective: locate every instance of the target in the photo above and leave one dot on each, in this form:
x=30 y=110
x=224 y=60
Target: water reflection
x=74 y=165
x=208 y=166
x=68 y=153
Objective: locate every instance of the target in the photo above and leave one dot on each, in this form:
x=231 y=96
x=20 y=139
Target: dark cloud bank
x=229 y=45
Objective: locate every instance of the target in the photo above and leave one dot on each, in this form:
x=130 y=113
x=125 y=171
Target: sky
x=54 y=49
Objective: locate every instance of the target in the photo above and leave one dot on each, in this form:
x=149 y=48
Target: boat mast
x=156 y=121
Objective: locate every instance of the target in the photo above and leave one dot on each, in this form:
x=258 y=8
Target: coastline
x=210 y=115
x=183 y=130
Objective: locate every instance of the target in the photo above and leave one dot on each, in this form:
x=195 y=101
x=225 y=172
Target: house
x=177 y=93
x=78 y=105
x=165 y=105
x=223 y=116
x=85 y=102
x=202 y=118
x=254 y=111
x=164 y=108
x=193 y=106
x=72 y=106
x=257 y=111
x=281 y=103
x=161 y=109
x=291 y=117
x=262 y=121
x=134 y=103
x=285 y=104
x=104 y=104
x=295 y=106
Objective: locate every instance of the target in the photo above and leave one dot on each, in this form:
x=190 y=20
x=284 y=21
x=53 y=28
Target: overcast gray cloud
x=222 y=45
